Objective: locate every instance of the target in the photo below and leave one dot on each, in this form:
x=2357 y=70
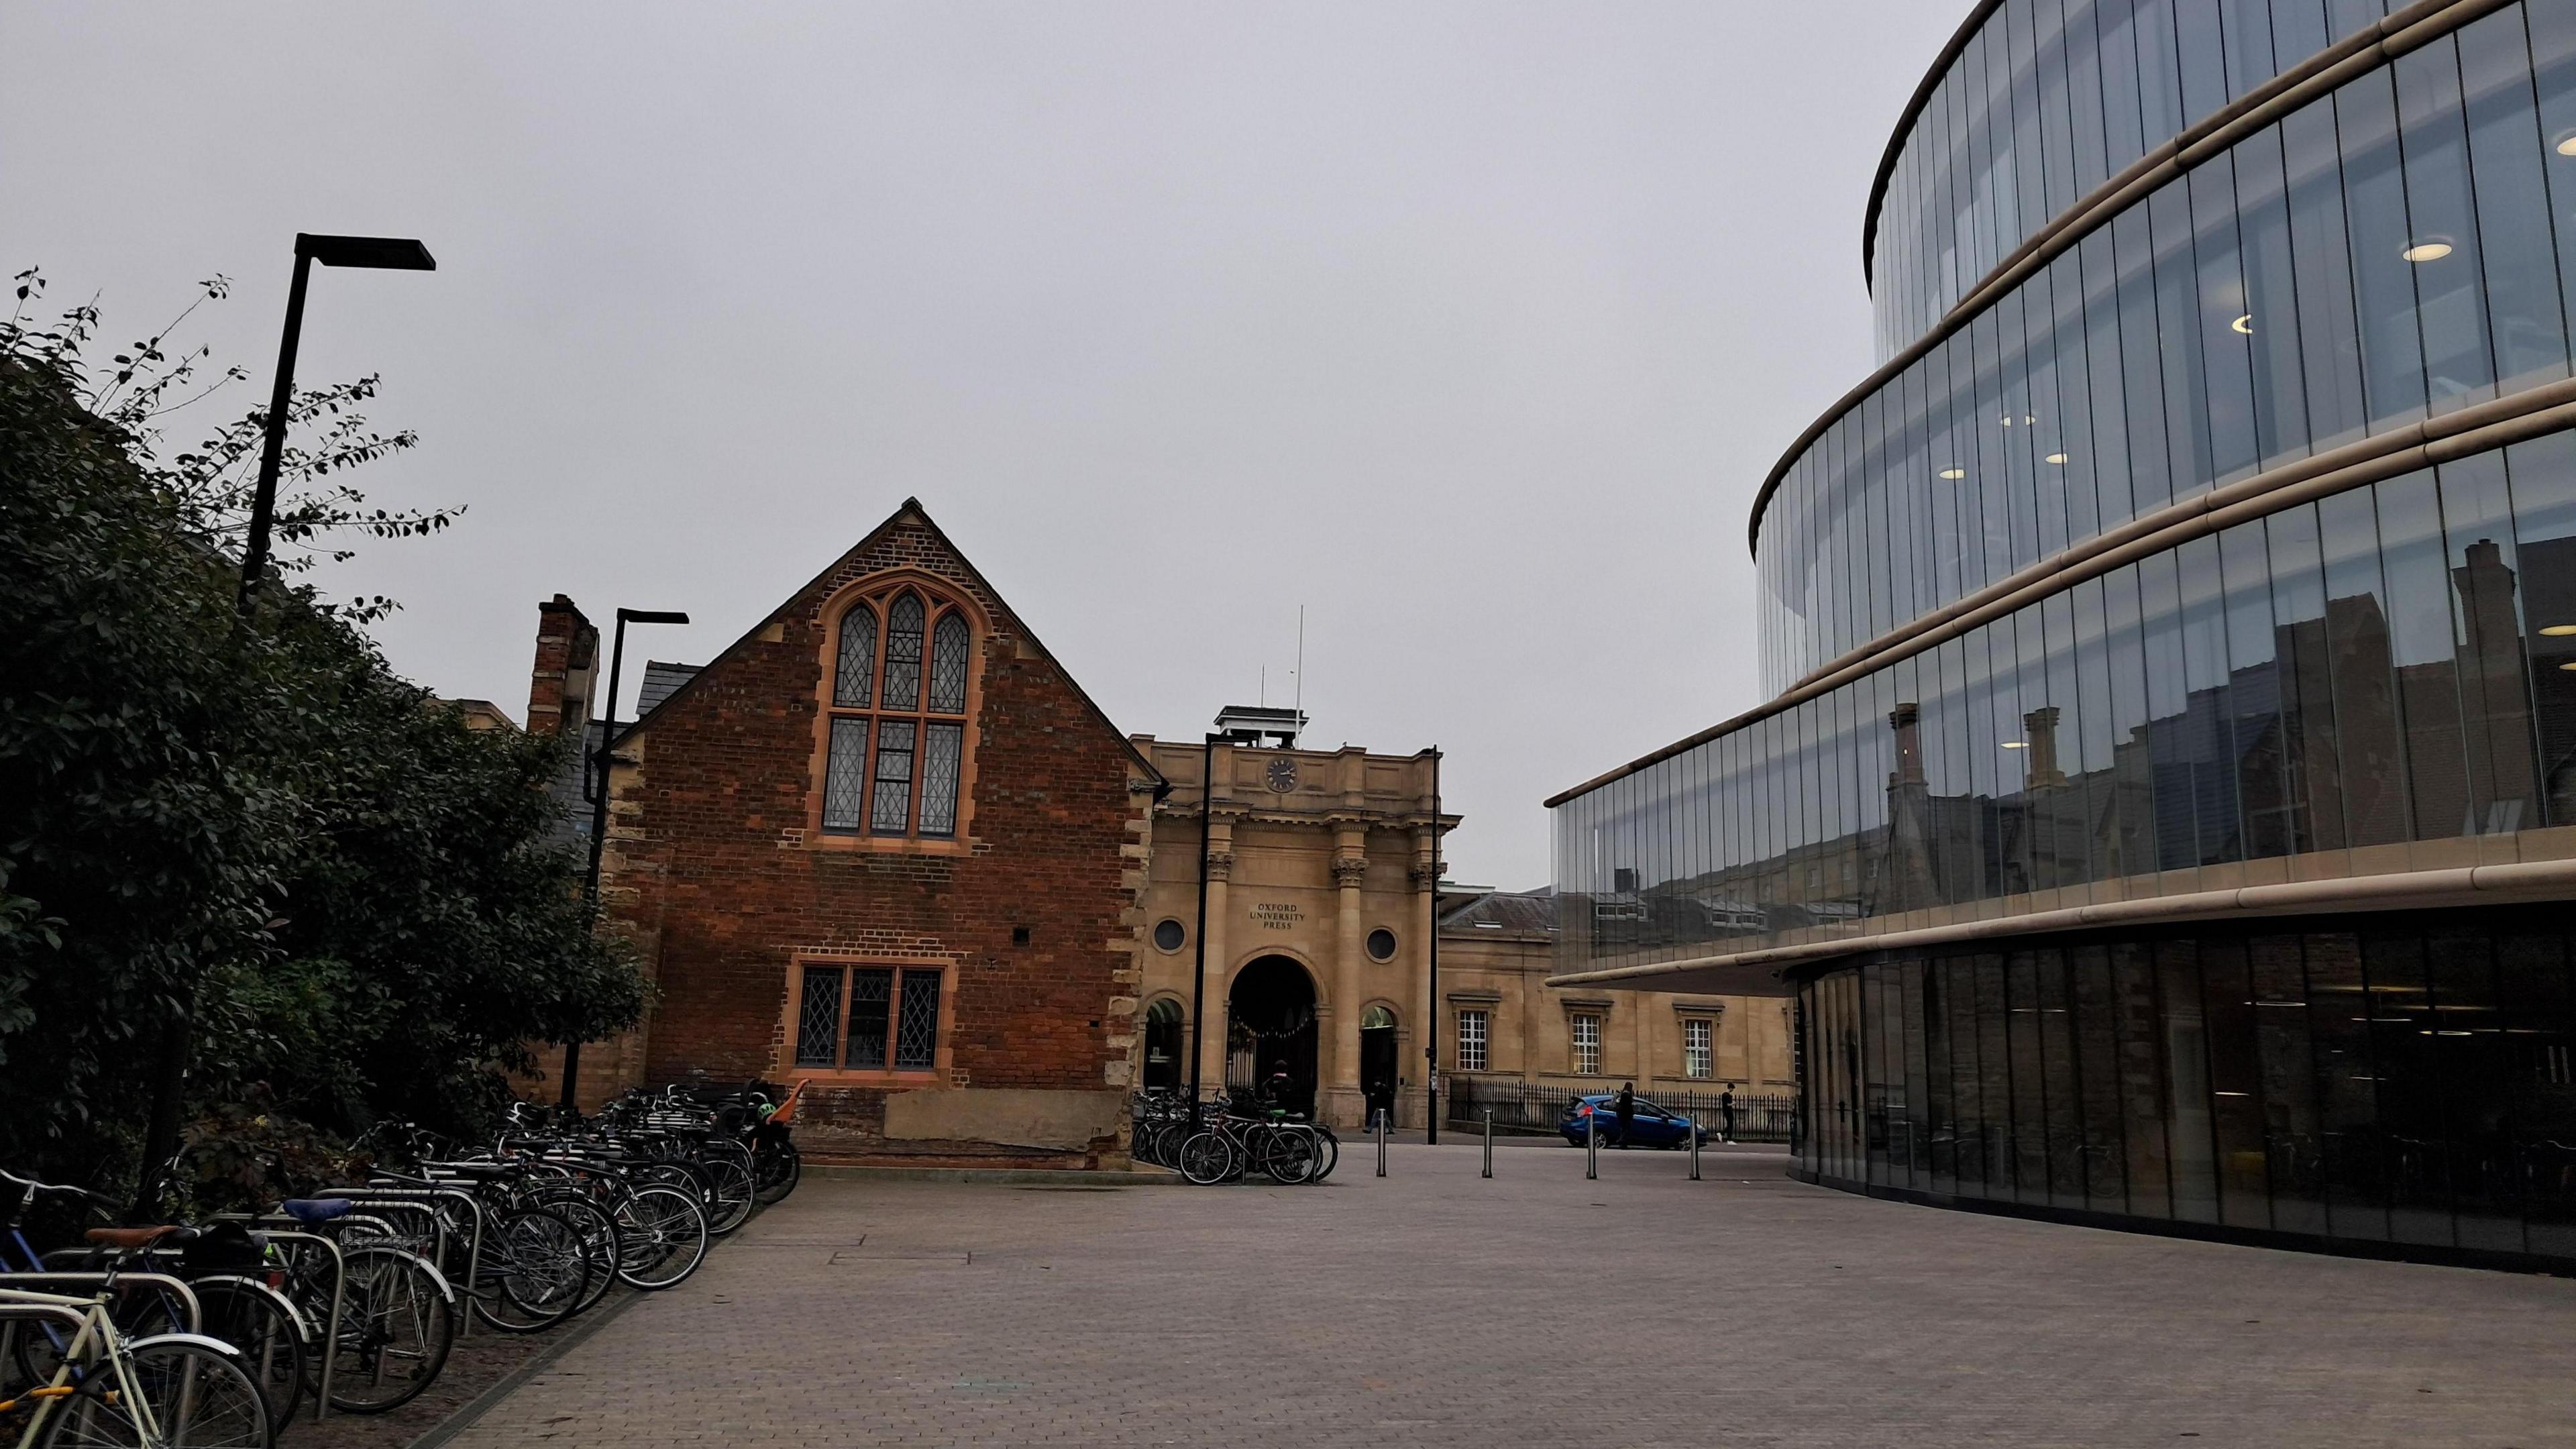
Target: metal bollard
x=1381 y=1144
x=1694 y=1151
x=1489 y=1142
x=1592 y=1144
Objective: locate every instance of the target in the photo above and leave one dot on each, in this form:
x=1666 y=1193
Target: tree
x=351 y=887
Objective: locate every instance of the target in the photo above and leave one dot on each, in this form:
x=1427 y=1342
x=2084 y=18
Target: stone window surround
x=938 y=595
x=934 y=1075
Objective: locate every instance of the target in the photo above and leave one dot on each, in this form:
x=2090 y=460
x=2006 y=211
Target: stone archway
x=1270 y=1030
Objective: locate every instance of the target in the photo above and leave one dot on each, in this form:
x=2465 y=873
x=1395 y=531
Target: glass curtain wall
x=2371 y=682
x=2050 y=99
x=2394 y=250
x=2405 y=1082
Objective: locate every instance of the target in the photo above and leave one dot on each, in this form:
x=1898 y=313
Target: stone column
x=1343 y=1106
x=1220 y=866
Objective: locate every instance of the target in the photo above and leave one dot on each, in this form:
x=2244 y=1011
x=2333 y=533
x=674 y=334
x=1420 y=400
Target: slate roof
x=660 y=680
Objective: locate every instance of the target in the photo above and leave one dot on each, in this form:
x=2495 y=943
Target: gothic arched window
x=895 y=752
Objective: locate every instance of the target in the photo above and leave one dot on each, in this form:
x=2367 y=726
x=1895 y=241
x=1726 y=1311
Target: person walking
x=1627 y=1109
x=1726 y=1114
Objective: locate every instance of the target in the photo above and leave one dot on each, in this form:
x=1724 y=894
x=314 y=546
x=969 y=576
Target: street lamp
x=594 y=782
x=381 y=253
x=1431 y=1017
x=402 y=254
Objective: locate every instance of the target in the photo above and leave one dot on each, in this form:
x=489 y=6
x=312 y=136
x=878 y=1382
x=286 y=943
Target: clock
x=1283 y=774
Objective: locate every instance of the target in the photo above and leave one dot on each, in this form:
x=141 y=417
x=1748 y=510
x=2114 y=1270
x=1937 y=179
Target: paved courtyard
x=1435 y=1308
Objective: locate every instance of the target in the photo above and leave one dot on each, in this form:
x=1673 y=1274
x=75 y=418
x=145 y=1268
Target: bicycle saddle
x=310 y=1210
x=129 y=1239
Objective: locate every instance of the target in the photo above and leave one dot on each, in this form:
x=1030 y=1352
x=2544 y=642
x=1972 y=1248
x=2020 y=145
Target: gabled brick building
x=883 y=841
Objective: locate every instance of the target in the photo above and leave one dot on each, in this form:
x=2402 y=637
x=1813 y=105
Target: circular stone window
x=1168 y=935
x=1381 y=944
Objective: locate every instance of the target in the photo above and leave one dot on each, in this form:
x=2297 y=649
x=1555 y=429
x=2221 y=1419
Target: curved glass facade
x=2402 y=1083
x=2382 y=680
x=2047 y=100
x=2352 y=688
x=2389 y=252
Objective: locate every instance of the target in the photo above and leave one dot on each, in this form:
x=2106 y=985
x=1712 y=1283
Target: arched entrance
x=1270 y=1029
x=1377 y=1060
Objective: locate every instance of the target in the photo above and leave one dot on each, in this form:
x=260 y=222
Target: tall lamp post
x=377 y=253
x=380 y=253
x=594 y=787
x=1431 y=1018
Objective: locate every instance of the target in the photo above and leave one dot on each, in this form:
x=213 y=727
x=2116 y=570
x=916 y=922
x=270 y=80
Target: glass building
x=2166 y=806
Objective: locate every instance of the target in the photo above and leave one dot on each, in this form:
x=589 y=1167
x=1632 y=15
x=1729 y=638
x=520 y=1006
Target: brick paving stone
x=1435 y=1308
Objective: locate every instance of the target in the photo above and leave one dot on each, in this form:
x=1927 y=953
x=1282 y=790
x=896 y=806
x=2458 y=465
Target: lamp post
x=399 y=254
x=1431 y=1018
x=594 y=784
x=380 y=253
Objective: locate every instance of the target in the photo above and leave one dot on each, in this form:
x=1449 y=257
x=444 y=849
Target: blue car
x=1651 y=1127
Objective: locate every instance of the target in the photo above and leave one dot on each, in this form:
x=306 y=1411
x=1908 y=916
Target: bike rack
x=339 y=1292
x=400 y=1193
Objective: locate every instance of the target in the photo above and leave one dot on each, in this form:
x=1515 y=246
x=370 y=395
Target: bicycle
x=108 y=1389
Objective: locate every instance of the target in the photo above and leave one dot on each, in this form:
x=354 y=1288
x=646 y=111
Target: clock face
x=1283 y=775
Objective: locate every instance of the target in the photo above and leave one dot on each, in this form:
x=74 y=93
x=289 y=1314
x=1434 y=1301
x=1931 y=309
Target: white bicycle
x=111 y=1392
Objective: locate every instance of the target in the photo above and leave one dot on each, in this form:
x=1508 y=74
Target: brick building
x=882 y=841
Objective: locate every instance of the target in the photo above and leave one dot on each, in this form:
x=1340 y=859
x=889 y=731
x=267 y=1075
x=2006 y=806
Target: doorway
x=1270 y=1033
x=1377 y=1060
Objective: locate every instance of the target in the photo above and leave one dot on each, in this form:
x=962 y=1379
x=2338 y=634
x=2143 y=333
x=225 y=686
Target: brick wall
x=709 y=870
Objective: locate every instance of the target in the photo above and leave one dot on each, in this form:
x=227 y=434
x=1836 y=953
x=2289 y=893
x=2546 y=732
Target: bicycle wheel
x=1328 y=1153
x=1207 y=1157
x=781 y=1167
x=734 y=1187
x=599 y=1245
x=661 y=1237
x=1289 y=1157
x=1168 y=1140
x=396 y=1325
x=196 y=1396
x=535 y=1266
x=257 y=1321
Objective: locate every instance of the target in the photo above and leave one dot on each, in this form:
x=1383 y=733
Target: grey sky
x=1470 y=327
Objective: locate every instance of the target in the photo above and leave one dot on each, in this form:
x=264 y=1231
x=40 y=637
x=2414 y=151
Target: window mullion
x=842 y=1052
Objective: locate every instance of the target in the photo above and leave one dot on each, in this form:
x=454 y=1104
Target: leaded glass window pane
x=871 y=991
x=1695 y=1048
x=845 y=776
x=818 y=1017
x=940 y=744
x=1471 y=1041
x=894 y=778
x=916 y=1042
x=948 y=665
x=851 y=680
x=903 y=653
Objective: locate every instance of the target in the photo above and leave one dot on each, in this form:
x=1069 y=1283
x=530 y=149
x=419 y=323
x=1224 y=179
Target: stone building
x=885 y=843
x=1320 y=903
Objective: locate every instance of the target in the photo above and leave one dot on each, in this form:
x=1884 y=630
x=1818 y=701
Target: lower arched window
x=1163 y=1045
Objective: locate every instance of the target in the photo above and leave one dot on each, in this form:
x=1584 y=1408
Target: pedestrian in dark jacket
x=1726 y=1114
x=1627 y=1109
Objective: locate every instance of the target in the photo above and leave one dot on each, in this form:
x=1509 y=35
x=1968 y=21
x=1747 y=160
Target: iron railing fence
x=1521 y=1107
